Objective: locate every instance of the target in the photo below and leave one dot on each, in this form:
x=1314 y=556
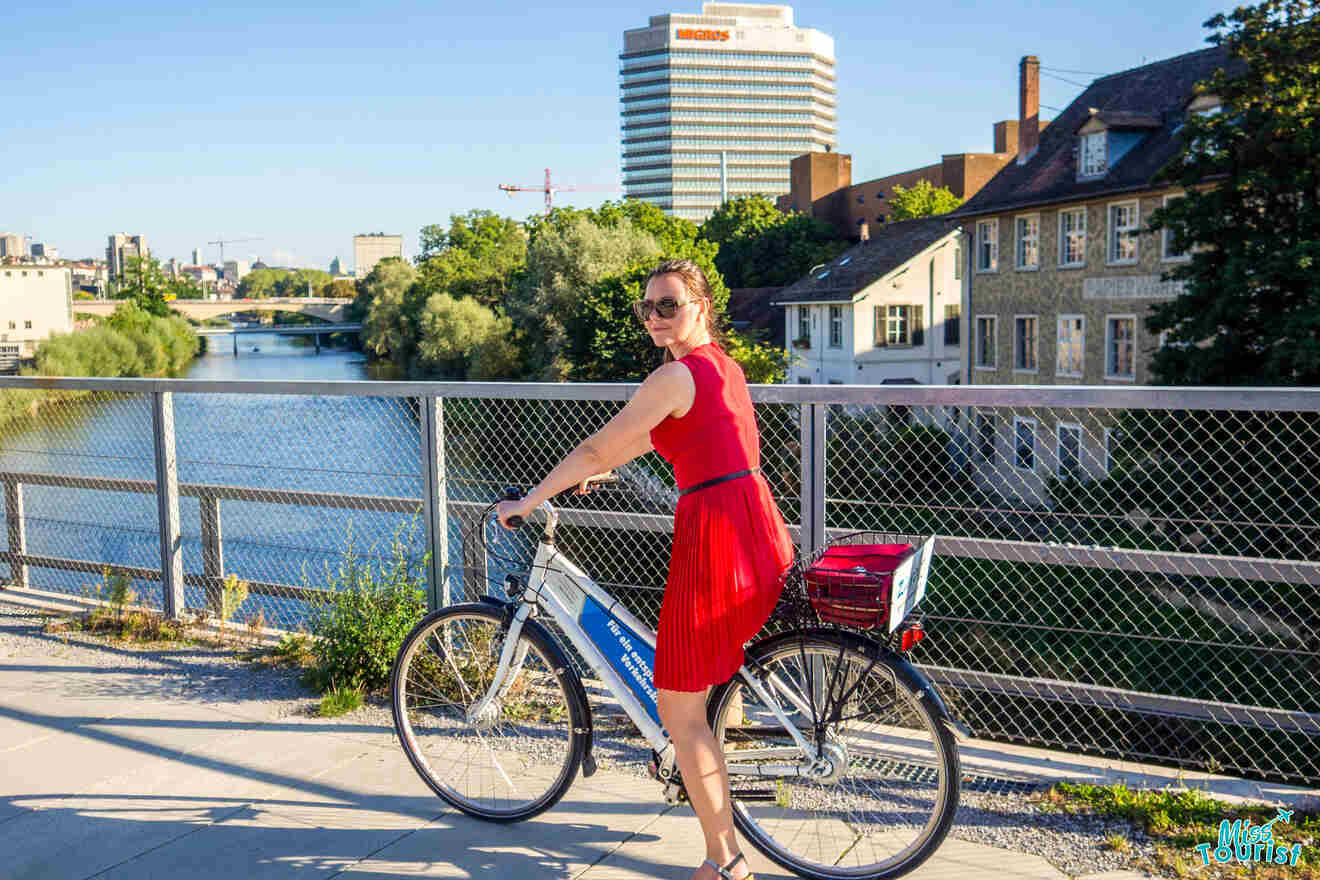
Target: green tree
x=145 y=284
x=760 y=246
x=477 y=256
x=566 y=259
x=921 y=200
x=451 y=329
x=1249 y=313
x=390 y=327
x=260 y=283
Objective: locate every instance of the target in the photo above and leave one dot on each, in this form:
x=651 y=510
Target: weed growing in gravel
x=1177 y=821
x=369 y=611
x=1117 y=842
x=339 y=701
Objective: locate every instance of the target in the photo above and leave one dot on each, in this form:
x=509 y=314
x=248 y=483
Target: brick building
x=1062 y=267
x=821 y=183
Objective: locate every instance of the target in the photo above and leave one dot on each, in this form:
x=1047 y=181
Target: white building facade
x=714 y=106
x=35 y=301
x=900 y=324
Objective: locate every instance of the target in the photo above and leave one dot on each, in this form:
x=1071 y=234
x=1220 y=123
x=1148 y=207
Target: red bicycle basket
x=849 y=584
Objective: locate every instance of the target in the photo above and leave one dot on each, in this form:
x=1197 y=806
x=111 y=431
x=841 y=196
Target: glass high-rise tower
x=716 y=105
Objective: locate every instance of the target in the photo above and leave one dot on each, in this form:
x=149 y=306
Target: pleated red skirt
x=730 y=551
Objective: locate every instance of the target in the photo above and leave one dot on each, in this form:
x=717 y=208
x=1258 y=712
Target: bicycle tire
x=545 y=744
x=854 y=827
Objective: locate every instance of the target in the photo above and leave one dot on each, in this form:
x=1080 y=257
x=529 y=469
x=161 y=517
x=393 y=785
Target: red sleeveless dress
x=731 y=547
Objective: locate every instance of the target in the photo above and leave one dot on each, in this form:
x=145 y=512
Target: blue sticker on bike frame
x=625 y=651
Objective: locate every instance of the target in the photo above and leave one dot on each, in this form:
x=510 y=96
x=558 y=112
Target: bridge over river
x=327 y=308
x=316 y=331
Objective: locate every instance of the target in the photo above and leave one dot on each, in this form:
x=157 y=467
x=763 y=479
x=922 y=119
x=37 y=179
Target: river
x=358 y=445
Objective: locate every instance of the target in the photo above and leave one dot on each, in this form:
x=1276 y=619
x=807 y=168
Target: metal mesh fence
x=1129 y=573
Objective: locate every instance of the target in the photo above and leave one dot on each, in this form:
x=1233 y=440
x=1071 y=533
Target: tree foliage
x=760 y=246
x=921 y=200
x=264 y=283
x=477 y=256
x=1249 y=313
x=145 y=284
x=390 y=326
x=452 y=329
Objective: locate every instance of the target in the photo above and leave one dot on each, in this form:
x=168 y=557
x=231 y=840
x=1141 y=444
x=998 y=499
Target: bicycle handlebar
x=515 y=493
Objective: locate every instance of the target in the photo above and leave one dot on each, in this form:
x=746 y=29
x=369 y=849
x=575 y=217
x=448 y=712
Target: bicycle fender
x=917 y=682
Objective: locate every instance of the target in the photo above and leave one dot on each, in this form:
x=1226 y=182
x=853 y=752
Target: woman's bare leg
x=705 y=775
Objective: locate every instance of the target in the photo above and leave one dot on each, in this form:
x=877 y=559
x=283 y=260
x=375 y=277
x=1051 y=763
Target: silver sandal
x=724 y=872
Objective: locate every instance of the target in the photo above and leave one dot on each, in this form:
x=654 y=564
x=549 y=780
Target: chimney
x=1028 y=108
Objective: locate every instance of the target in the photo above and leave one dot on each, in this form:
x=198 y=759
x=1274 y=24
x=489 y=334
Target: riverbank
x=129 y=343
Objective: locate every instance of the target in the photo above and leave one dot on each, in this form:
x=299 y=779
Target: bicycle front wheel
x=517 y=758
x=887 y=793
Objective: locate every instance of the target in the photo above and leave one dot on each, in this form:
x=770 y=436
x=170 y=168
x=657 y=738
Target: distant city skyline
x=306 y=126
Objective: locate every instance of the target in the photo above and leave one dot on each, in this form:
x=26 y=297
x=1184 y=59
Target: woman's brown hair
x=698 y=287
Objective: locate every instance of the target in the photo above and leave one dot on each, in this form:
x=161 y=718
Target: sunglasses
x=665 y=307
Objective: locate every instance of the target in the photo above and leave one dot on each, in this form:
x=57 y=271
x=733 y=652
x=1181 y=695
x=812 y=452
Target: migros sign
x=701 y=34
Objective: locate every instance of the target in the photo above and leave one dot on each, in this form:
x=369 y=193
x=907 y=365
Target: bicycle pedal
x=754 y=794
x=675 y=794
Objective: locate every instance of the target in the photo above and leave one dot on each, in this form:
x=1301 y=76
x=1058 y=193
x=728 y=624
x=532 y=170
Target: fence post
x=213 y=559
x=167 y=504
x=813 y=478
x=435 y=503
x=18 y=572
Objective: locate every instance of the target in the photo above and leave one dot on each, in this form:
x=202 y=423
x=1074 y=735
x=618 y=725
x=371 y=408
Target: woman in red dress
x=731 y=547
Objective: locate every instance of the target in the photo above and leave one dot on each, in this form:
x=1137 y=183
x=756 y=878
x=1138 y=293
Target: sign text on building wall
x=701 y=34
x=1130 y=287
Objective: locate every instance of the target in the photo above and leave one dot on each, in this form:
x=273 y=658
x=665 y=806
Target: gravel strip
x=1075 y=844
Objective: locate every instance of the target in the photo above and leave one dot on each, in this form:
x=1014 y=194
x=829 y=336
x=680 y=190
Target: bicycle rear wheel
x=892 y=789
x=519 y=758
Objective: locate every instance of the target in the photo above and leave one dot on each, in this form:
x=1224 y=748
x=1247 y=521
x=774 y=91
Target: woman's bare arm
x=668 y=390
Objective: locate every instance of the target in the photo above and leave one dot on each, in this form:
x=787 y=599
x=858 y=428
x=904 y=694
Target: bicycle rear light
x=910 y=636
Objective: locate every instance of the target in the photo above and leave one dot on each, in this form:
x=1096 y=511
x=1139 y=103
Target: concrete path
x=113 y=774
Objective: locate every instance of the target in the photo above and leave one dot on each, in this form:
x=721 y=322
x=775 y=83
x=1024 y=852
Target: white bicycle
x=842 y=756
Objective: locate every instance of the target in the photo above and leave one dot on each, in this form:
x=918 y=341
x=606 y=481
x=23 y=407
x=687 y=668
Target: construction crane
x=550 y=189
x=224 y=241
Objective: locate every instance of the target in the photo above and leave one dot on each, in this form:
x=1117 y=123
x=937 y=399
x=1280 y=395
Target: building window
x=1070 y=451
x=1028 y=242
x=13 y=325
x=1024 y=444
x=836 y=327
x=804 y=380
x=957 y=262
x=952 y=324
x=27 y=325
x=1113 y=437
x=987 y=246
x=985 y=341
x=1024 y=343
x=1072 y=237
x=1168 y=251
x=985 y=435
x=1123 y=220
x=804 y=323
x=899 y=325
x=1072 y=345
x=1120 y=347
x=1095 y=154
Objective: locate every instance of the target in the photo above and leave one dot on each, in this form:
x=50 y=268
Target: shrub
x=373 y=603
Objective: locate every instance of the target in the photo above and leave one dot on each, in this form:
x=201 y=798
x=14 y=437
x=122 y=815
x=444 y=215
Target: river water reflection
x=356 y=445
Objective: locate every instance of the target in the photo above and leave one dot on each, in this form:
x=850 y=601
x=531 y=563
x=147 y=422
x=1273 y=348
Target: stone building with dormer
x=1062 y=268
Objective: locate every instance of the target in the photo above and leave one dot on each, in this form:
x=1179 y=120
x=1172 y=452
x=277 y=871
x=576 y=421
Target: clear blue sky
x=307 y=124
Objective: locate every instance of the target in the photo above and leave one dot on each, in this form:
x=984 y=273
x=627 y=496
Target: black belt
x=724 y=479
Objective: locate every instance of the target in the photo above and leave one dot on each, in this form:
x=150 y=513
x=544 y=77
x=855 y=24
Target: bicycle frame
x=615 y=643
